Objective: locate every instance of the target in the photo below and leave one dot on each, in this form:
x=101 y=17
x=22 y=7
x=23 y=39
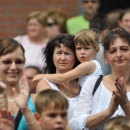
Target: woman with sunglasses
x=12 y=59
x=56 y=22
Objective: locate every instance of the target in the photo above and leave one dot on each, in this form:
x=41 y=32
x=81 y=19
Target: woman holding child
x=113 y=94
x=61 y=59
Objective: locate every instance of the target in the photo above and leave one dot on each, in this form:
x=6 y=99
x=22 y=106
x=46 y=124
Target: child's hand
x=38 y=77
x=6 y=120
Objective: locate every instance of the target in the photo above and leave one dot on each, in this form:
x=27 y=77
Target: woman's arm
x=82 y=115
x=97 y=119
x=85 y=68
x=21 y=101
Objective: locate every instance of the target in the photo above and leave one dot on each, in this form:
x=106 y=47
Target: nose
x=59 y=119
x=13 y=65
x=63 y=57
x=82 y=51
x=118 y=53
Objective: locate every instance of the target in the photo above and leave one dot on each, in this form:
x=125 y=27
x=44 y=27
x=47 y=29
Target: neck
x=56 y=34
x=122 y=73
x=88 y=16
x=38 y=40
x=10 y=86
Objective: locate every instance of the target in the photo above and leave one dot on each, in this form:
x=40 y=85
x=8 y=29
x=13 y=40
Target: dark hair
x=65 y=39
x=9 y=45
x=34 y=67
x=114 y=34
x=99 y=21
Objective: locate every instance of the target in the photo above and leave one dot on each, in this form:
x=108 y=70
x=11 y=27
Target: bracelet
x=31 y=123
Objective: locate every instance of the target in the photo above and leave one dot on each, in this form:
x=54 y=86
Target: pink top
x=33 y=52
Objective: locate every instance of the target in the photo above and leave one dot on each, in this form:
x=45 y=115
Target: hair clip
x=116 y=29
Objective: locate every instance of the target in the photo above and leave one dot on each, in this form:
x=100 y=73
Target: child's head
x=51 y=107
x=87 y=44
x=118 y=123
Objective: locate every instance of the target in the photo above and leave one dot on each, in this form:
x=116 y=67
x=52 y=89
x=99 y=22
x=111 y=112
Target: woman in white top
x=60 y=58
x=113 y=94
x=35 y=39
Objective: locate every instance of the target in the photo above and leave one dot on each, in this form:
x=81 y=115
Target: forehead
x=127 y=16
x=33 y=20
x=18 y=53
x=83 y=45
x=63 y=47
x=90 y=0
x=119 y=42
x=54 y=110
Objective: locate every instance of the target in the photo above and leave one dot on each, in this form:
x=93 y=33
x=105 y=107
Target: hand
x=21 y=99
x=3 y=95
x=113 y=104
x=38 y=77
x=3 y=88
x=6 y=120
x=121 y=94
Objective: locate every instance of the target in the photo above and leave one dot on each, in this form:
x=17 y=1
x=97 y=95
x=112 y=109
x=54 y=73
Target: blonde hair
x=59 y=17
x=118 y=123
x=50 y=98
x=87 y=37
x=39 y=15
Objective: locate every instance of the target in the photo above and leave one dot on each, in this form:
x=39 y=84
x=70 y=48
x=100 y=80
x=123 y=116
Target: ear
x=105 y=32
x=119 y=23
x=37 y=118
x=97 y=49
x=105 y=58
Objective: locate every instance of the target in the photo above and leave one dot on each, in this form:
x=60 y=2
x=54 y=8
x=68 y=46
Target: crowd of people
x=67 y=74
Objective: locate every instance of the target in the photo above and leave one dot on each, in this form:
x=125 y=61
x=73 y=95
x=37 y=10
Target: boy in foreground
x=51 y=107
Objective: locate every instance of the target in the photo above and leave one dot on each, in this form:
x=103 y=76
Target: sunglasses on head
x=91 y=1
x=9 y=62
x=51 y=24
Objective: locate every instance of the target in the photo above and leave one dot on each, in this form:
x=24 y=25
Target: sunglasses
x=91 y=1
x=9 y=62
x=51 y=24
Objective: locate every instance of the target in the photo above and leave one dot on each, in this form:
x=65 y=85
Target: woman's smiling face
x=11 y=66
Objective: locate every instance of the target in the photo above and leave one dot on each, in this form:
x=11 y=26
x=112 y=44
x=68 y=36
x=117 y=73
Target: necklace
x=10 y=100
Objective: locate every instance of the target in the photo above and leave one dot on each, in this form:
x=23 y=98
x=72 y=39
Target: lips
x=62 y=63
x=60 y=128
x=120 y=61
x=12 y=74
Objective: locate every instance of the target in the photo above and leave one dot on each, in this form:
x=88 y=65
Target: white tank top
x=72 y=101
x=97 y=72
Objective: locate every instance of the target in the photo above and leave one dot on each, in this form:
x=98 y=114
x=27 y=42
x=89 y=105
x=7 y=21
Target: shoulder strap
x=97 y=83
x=18 y=118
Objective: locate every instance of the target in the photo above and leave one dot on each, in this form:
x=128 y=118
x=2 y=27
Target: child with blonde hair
x=118 y=123
x=51 y=107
